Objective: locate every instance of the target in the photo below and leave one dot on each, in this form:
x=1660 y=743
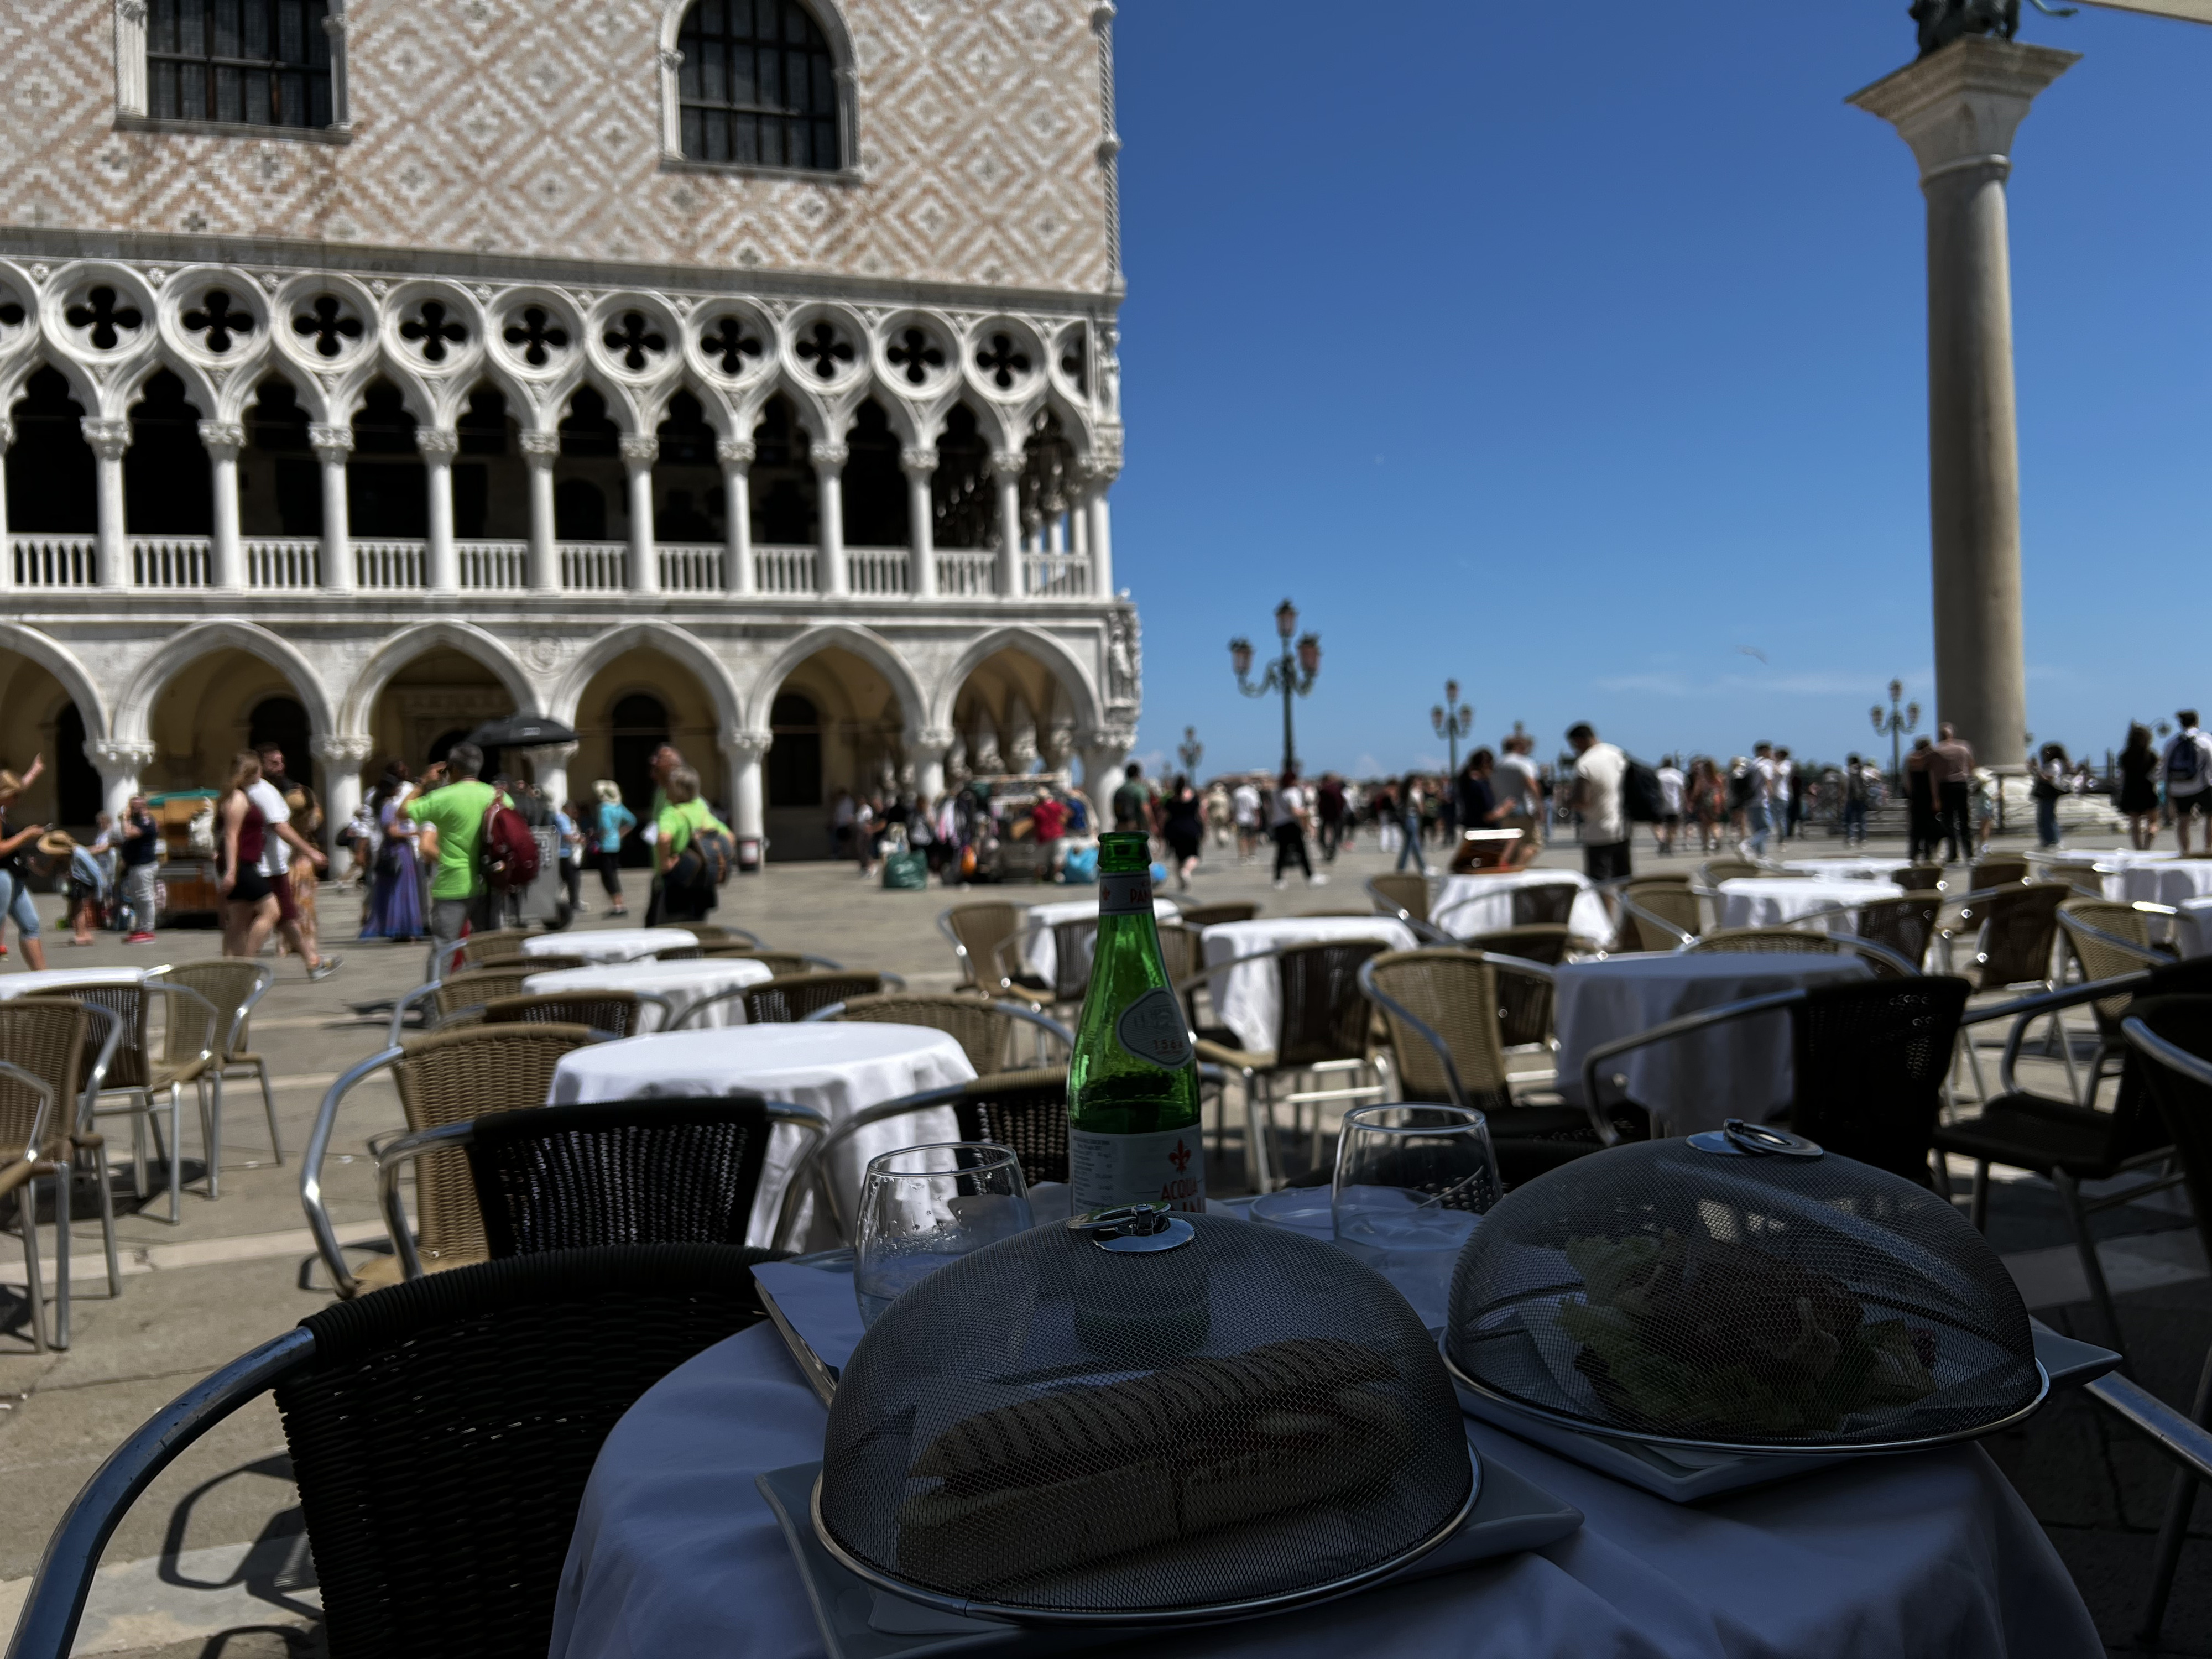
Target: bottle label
x=1125 y=895
x=1153 y=1028
x=1166 y=1167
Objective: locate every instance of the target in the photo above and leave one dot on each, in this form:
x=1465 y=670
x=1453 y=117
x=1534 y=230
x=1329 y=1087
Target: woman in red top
x=246 y=891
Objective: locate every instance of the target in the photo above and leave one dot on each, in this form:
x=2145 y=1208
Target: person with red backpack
x=452 y=798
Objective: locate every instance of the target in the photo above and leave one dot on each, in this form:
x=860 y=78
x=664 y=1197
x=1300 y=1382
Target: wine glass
x=1412 y=1182
x=924 y=1206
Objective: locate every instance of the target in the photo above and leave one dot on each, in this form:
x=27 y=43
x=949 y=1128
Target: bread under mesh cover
x=1048 y=1426
x=1755 y=1301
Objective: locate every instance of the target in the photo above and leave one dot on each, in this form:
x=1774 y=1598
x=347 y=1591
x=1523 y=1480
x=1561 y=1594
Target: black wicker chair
x=1550 y=901
x=652 y=1171
x=441 y=1432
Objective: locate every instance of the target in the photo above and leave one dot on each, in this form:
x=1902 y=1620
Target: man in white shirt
x=1599 y=771
x=2189 y=778
x=1758 y=815
x=276 y=859
x=1286 y=821
x=1245 y=808
x=1521 y=793
x=1671 y=786
x=1788 y=804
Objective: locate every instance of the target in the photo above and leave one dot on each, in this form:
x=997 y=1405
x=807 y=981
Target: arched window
x=256 y=63
x=757 y=86
x=794 y=755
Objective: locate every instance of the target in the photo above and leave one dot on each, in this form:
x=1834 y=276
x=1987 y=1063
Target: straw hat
x=10 y=783
x=57 y=843
x=607 y=790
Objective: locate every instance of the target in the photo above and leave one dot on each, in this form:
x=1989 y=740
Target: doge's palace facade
x=740 y=372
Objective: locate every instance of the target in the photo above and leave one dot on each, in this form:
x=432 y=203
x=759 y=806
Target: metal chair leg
x=269 y=1104
x=64 y=1178
x=107 y=1220
x=2173 y=1531
x=1977 y=1206
x=27 y=1218
x=211 y=1093
x=176 y=1156
x=141 y=1115
x=2066 y=1054
x=2077 y=1223
x=1259 y=1132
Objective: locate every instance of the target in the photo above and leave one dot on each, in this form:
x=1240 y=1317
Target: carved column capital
x=670 y=59
x=541 y=448
x=437 y=443
x=342 y=751
x=114 y=757
x=331 y=444
x=734 y=452
x=829 y=458
x=742 y=748
x=930 y=741
x=639 y=449
x=918 y=463
x=6 y=433
x=108 y=438
x=1009 y=463
x=222 y=440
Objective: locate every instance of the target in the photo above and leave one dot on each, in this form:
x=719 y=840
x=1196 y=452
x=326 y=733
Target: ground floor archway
x=639 y=701
x=837 y=729
x=431 y=703
x=37 y=718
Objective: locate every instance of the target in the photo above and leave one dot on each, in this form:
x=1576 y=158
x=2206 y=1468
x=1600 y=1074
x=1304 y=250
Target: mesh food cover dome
x=1741 y=1291
x=1074 y=1426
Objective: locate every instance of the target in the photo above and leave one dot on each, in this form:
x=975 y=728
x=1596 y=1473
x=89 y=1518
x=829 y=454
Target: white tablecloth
x=682 y=982
x=1041 y=952
x=1467 y=905
x=2192 y=928
x=1772 y=901
x=1739 y=1069
x=837 y=1068
x=1932 y=1556
x=607 y=944
x=1247 y=1000
x=1851 y=869
x=2118 y=864
x=2174 y=881
x=46 y=980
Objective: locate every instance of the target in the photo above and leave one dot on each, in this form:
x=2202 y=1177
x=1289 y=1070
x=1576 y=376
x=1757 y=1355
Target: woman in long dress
x=395 y=905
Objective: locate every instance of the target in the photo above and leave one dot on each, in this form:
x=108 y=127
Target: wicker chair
x=610 y=1013
x=776 y=961
x=1401 y=895
x=1321 y=1027
x=441 y=1434
x=792 y=997
x=1657 y=913
x=986 y=1031
x=1450 y=1046
x=1789 y=941
x=2109 y=940
x=534 y=963
x=1025 y=1112
x=713 y=936
x=976 y=930
x=447 y=1077
x=1713 y=872
x=654 y=1171
x=1919 y=877
x=455 y=998
x=42 y=1043
x=1548 y=943
x=232 y=988
x=1545 y=903
x=2004 y=870
x=2014 y=931
x=479 y=948
x=1906 y=926
x=186 y=1055
x=1073 y=942
x=1203 y=916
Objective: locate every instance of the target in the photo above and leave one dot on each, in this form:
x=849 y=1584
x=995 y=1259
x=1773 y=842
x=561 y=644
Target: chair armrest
x=98 y=1080
x=390 y=1158
x=420 y=994
x=209 y=1017
x=1674 y=1028
x=45 y=1092
x=311 y=1166
x=2113 y=942
x=814 y=1125
x=1419 y=1027
x=2173 y=1056
x=2187 y=1443
x=1643 y=918
x=688 y=1020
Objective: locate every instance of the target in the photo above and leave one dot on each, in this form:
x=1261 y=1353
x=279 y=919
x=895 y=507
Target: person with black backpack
x=691 y=855
x=2189 y=778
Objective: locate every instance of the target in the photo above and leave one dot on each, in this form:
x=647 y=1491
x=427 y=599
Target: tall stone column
x=441 y=559
x=741 y=761
x=1104 y=751
x=333 y=446
x=540 y=450
x=829 y=488
x=1007 y=465
x=639 y=451
x=109 y=438
x=1101 y=525
x=119 y=764
x=925 y=745
x=920 y=466
x=548 y=769
x=736 y=455
x=222 y=440
x=1958 y=108
x=342 y=760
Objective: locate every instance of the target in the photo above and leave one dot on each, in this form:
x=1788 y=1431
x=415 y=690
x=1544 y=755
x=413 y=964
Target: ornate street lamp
x=1292 y=673
x=1895 y=722
x=1191 y=751
x=1453 y=720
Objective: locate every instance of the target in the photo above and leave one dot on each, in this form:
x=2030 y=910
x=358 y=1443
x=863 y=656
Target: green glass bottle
x=1132 y=1116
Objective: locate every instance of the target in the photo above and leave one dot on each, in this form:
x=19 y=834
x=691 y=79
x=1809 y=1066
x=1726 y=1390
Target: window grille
x=252 y=63
x=757 y=86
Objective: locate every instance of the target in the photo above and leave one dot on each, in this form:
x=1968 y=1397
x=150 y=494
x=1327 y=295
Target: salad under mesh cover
x=1049 y=1426
x=1761 y=1302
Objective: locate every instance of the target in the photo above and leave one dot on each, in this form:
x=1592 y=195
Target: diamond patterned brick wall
x=533 y=128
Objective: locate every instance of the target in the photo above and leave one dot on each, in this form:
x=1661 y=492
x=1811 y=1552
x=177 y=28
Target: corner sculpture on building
x=737 y=373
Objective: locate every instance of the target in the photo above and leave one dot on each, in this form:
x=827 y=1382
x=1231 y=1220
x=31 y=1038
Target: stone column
x=1007 y=465
x=1104 y=750
x=342 y=760
x=549 y=766
x=741 y=760
x=639 y=451
x=925 y=746
x=1958 y=108
x=920 y=466
x=109 y=438
x=333 y=446
x=736 y=455
x=119 y=764
x=829 y=485
x=441 y=559
x=222 y=440
x=7 y=547
x=540 y=450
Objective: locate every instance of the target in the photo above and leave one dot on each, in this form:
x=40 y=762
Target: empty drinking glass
x=924 y=1206
x=1411 y=1183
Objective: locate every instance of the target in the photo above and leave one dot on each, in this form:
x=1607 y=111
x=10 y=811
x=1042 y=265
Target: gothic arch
x=830 y=17
x=134 y=714
x=57 y=659
x=1082 y=694
x=410 y=643
x=660 y=636
x=872 y=648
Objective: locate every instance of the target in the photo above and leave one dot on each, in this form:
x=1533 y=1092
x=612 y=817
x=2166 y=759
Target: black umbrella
x=521 y=731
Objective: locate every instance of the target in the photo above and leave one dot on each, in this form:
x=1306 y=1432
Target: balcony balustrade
x=494 y=566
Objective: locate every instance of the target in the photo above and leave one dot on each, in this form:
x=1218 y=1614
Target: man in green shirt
x=452 y=801
x=676 y=899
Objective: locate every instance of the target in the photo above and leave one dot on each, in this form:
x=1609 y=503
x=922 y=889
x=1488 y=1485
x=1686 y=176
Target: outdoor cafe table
x=1739 y=1069
x=2117 y=864
x=1773 y=900
x=2172 y=881
x=44 y=981
x=2192 y=928
x=1932 y=1553
x=1247 y=1000
x=1041 y=949
x=1482 y=902
x=682 y=983
x=837 y=1068
x=1849 y=869
x=608 y=944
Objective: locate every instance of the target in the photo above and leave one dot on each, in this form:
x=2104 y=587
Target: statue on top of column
x=1942 y=21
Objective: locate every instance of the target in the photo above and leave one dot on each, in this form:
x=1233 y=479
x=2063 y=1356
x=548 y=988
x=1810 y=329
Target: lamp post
x=1292 y=673
x=1191 y=751
x=1896 y=722
x=1453 y=720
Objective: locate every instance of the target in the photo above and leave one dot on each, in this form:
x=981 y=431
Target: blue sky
x=1580 y=352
